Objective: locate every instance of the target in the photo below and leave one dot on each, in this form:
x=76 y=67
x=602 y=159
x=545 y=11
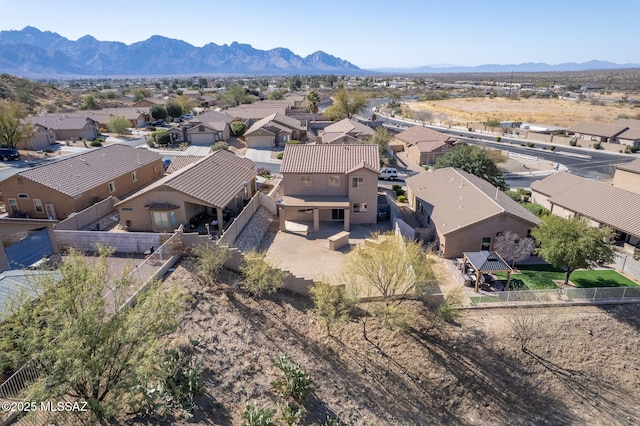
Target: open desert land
x=554 y=112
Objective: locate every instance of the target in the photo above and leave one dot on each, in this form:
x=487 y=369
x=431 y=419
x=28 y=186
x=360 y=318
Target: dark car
x=7 y=154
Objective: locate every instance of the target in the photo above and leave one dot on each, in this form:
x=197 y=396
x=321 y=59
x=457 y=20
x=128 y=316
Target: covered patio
x=315 y=209
x=479 y=268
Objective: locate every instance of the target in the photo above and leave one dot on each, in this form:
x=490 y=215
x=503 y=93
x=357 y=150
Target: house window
x=486 y=243
x=127 y=209
x=112 y=187
x=38 y=205
x=283 y=138
x=305 y=181
x=333 y=180
x=359 y=207
x=23 y=196
x=134 y=176
x=337 y=214
x=164 y=219
x=13 y=204
x=220 y=136
x=357 y=182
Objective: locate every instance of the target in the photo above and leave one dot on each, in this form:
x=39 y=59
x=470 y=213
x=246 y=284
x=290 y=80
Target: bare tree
x=512 y=248
x=526 y=325
x=423 y=116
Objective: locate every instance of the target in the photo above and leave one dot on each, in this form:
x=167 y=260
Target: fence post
x=624 y=291
x=594 y=294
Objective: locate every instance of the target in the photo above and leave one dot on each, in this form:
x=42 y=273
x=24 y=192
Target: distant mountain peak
x=34 y=53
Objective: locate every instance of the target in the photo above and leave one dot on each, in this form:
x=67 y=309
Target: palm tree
x=313 y=99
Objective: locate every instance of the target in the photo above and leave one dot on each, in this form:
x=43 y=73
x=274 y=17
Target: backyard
x=542 y=277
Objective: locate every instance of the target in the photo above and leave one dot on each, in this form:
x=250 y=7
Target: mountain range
x=33 y=53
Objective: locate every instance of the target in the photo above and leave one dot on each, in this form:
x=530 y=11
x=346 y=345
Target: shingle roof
x=61 y=122
x=277 y=120
x=555 y=184
x=633 y=166
x=459 y=199
x=215 y=179
x=77 y=174
x=329 y=158
x=597 y=129
x=631 y=134
x=248 y=112
x=603 y=203
x=628 y=122
x=210 y=117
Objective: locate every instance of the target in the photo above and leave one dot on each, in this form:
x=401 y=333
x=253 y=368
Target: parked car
x=7 y=154
x=158 y=123
x=388 y=173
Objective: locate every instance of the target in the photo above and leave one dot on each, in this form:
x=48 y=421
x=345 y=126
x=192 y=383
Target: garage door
x=201 y=138
x=29 y=250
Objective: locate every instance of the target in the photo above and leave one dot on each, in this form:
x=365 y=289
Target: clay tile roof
x=459 y=199
x=328 y=158
x=633 y=166
x=597 y=129
x=77 y=174
x=214 y=179
x=349 y=126
x=182 y=161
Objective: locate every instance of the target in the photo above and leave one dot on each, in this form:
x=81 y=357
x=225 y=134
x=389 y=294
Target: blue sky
x=371 y=34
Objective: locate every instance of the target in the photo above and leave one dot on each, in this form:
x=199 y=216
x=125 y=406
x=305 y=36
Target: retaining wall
x=122 y=242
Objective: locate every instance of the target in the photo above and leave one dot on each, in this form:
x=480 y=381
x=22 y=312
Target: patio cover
x=487 y=262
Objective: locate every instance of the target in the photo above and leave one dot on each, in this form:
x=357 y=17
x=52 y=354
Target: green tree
x=235 y=96
x=119 y=125
x=476 y=161
x=161 y=137
x=89 y=102
x=210 y=259
x=331 y=303
x=345 y=104
x=12 y=125
x=572 y=243
x=238 y=128
x=174 y=109
x=258 y=276
x=186 y=103
x=87 y=346
x=313 y=101
x=381 y=137
x=140 y=94
x=276 y=95
x=393 y=267
x=158 y=112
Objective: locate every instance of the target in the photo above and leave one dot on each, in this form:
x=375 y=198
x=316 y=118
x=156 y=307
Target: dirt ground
x=582 y=366
x=555 y=112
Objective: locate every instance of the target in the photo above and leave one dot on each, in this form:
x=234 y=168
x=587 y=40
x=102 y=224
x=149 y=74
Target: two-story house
x=57 y=189
x=330 y=183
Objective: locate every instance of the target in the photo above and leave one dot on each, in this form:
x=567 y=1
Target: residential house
x=600 y=204
x=209 y=187
x=41 y=138
x=208 y=128
x=598 y=132
x=464 y=212
x=346 y=131
x=149 y=102
x=423 y=145
x=631 y=136
x=330 y=183
x=627 y=176
x=274 y=130
x=67 y=127
x=57 y=189
x=251 y=113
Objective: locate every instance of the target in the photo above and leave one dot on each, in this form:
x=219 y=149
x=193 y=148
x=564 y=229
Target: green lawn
x=540 y=277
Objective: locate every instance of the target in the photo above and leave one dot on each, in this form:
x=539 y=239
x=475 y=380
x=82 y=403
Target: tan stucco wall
x=470 y=238
x=541 y=199
x=627 y=180
x=64 y=204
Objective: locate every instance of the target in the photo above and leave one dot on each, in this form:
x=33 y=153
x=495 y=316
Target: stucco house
x=464 y=212
x=346 y=131
x=57 y=189
x=334 y=183
x=41 y=138
x=627 y=176
x=208 y=186
x=67 y=127
x=423 y=145
x=600 y=204
x=274 y=130
x=597 y=132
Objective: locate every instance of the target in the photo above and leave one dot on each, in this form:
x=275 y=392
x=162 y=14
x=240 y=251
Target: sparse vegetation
x=259 y=277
